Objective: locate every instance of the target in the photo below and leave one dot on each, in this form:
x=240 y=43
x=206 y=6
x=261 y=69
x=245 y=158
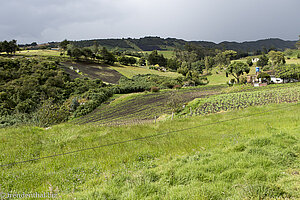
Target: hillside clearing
x=130 y=71
x=92 y=70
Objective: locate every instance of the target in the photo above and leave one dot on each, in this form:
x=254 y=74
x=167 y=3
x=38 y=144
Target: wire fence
x=147 y=137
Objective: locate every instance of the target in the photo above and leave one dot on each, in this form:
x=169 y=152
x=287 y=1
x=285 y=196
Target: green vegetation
x=161 y=44
x=143 y=107
x=245 y=147
x=27 y=85
x=40 y=92
x=9 y=47
x=39 y=53
x=298 y=43
x=276 y=58
x=236 y=69
x=242 y=100
x=155 y=58
x=255 y=156
x=130 y=71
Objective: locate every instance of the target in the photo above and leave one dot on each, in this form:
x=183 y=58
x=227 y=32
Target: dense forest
x=157 y=43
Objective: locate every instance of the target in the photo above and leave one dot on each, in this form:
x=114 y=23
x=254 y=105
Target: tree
x=288 y=71
x=107 y=56
x=87 y=52
x=173 y=63
x=95 y=48
x=154 y=58
x=64 y=44
x=224 y=58
x=77 y=53
x=9 y=47
x=209 y=62
x=298 y=43
x=264 y=76
x=263 y=60
x=236 y=69
x=142 y=61
x=276 y=57
x=198 y=66
x=124 y=60
x=249 y=61
x=184 y=69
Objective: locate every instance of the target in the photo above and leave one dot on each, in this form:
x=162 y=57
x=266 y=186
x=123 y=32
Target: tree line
x=9 y=47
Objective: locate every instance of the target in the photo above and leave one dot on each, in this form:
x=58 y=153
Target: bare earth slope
x=92 y=70
x=142 y=107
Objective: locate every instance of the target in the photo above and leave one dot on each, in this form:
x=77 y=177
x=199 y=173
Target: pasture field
x=242 y=154
x=130 y=71
x=219 y=76
x=293 y=61
x=39 y=53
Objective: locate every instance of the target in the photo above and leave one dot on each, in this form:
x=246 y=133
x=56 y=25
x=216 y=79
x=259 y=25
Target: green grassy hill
x=243 y=154
x=157 y=43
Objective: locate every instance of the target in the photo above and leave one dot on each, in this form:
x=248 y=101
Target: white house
x=254 y=60
x=275 y=79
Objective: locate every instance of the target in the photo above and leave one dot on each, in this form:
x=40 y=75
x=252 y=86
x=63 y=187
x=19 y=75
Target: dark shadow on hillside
x=91 y=70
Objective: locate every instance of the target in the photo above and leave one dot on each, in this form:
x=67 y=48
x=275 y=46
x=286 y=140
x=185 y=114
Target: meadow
x=39 y=53
x=130 y=71
x=243 y=154
x=238 y=142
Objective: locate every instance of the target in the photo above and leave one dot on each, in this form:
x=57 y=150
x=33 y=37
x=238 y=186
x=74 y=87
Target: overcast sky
x=210 y=20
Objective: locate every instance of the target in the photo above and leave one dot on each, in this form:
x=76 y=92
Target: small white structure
x=275 y=79
x=256 y=84
x=254 y=60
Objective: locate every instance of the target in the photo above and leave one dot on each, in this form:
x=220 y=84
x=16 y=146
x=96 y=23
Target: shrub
x=177 y=87
x=50 y=113
x=154 y=89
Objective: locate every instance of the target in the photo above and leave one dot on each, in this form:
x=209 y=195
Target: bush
x=264 y=76
x=50 y=113
x=177 y=87
x=154 y=89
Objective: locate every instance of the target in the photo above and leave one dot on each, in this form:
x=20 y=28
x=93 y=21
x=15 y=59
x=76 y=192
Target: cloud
x=214 y=20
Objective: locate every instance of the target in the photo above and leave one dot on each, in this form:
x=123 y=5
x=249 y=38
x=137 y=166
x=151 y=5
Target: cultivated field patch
x=92 y=70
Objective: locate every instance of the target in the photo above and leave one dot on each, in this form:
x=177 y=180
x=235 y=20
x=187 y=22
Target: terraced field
x=140 y=108
x=144 y=107
x=226 y=102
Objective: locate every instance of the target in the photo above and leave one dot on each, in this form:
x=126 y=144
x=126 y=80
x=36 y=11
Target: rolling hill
x=157 y=43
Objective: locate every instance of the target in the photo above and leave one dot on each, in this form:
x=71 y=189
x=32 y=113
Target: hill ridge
x=150 y=43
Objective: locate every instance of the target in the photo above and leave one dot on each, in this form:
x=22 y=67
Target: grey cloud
x=213 y=20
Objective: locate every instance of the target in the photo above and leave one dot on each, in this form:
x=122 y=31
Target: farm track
x=142 y=108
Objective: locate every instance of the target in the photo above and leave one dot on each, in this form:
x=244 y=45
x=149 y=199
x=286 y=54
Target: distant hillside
x=157 y=43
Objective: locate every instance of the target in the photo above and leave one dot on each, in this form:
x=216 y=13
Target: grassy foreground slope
x=255 y=155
